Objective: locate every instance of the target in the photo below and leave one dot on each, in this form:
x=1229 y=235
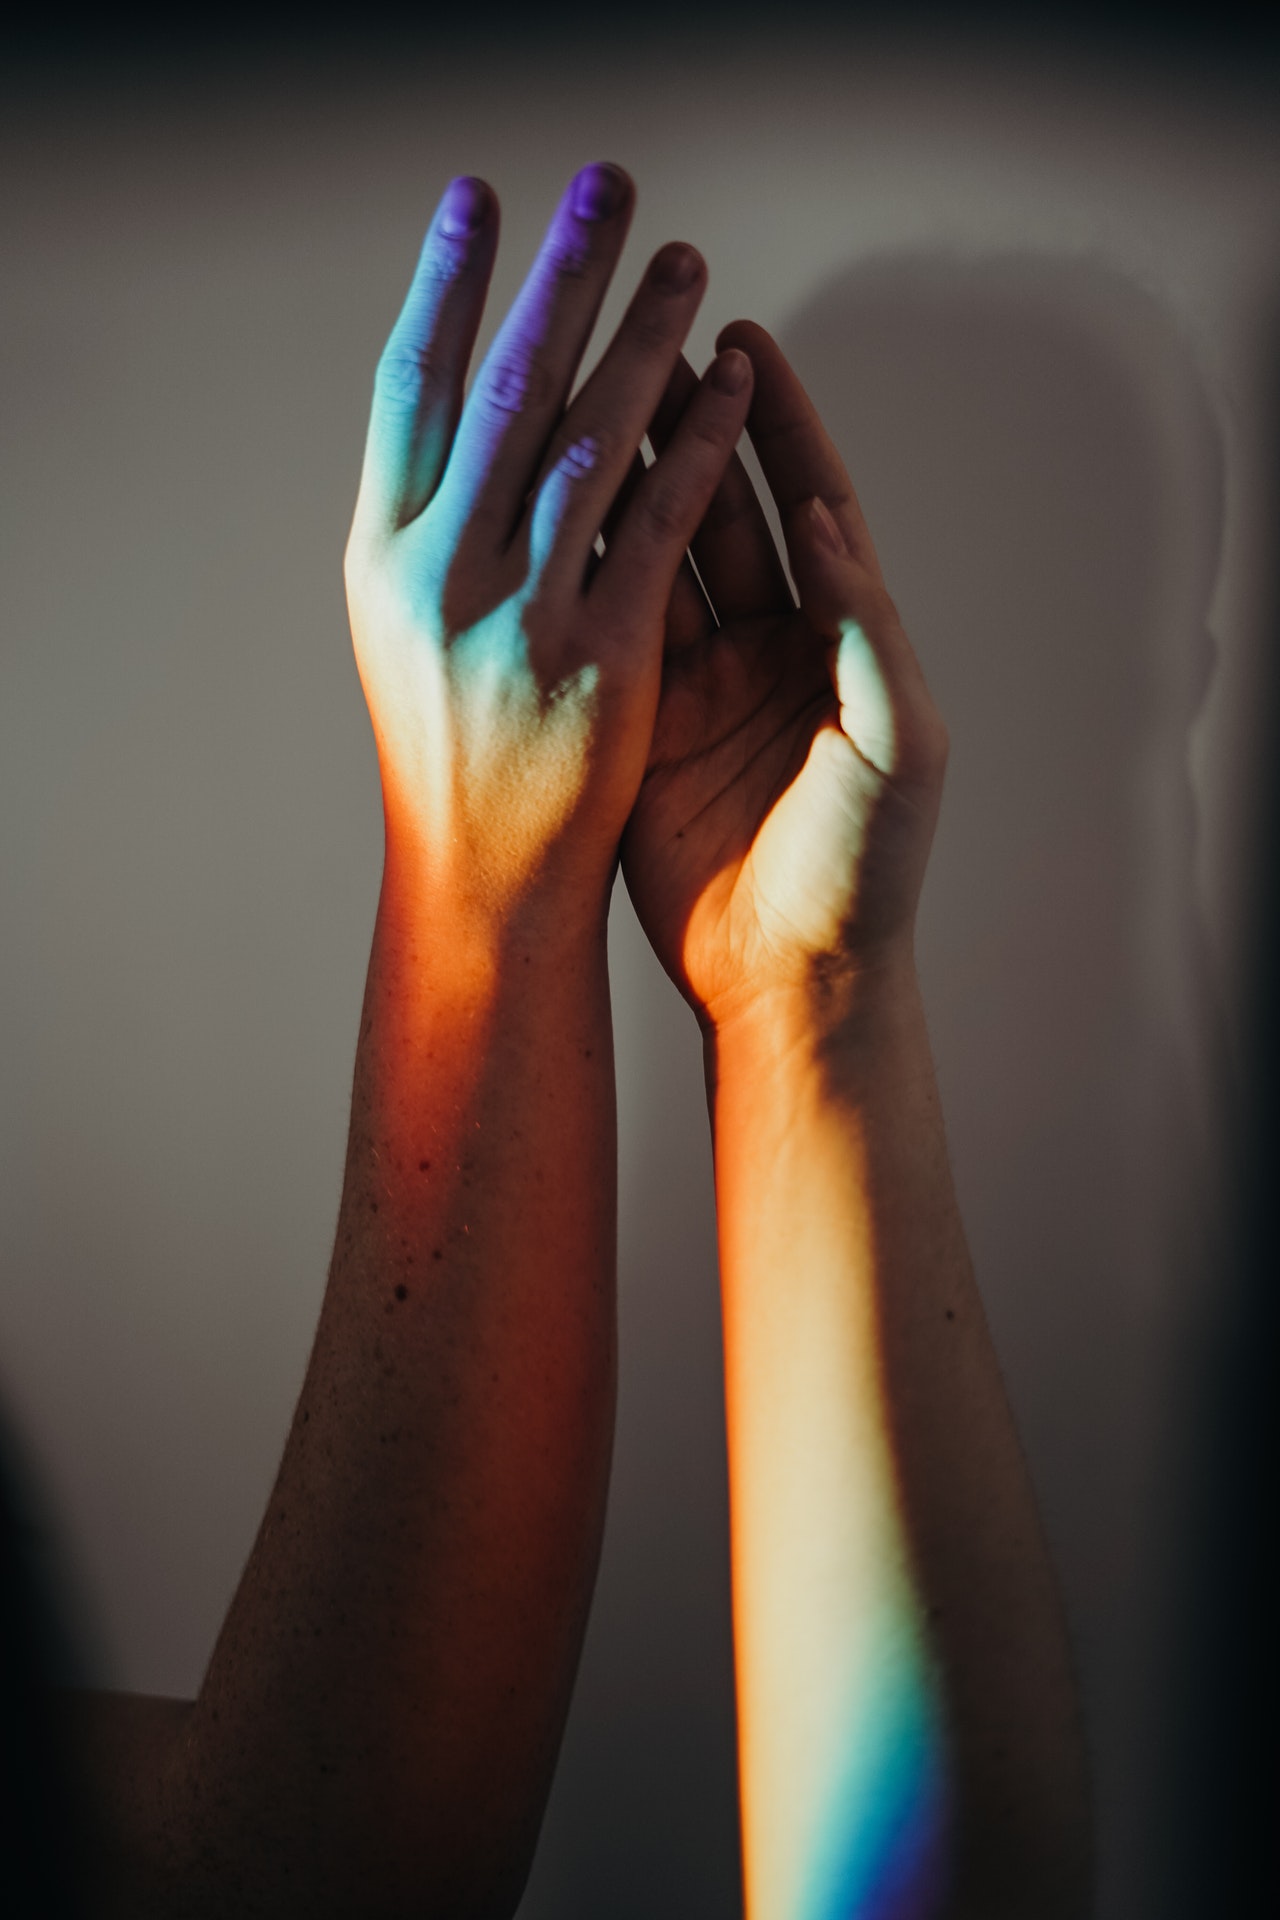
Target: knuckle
x=651 y=330
x=587 y=453
x=517 y=382
x=663 y=511
x=445 y=258
x=407 y=373
x=567 y=254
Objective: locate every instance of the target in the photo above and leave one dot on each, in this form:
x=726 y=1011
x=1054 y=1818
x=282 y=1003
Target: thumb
x=857 y=626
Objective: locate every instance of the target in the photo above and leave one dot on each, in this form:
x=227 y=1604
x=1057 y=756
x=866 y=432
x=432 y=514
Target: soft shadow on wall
x=1043 y=476
x=1219 y=1769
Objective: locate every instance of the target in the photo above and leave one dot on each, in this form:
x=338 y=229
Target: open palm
x=788 y=803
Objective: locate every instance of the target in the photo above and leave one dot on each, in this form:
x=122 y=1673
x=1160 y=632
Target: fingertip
x=739 y=333
x=600 y=190
x=731 y=371
x=677 y=267
x=465 y=207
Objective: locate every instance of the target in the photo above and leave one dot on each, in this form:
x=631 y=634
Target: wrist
x=829 y=1006
x=835 y=1035
x=458 y=926
x=451 y=1012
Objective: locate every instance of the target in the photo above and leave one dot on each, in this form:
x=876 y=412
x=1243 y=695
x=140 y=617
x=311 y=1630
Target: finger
x=640 y=568
x=689 y=615
x=622 y=499
x=733 y=548
x=885 y=708
x=610 y=415
x=797 y=456
x=521 y=389
x=419 y=385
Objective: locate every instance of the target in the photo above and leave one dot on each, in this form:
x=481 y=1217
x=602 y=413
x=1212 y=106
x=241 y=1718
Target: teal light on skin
x=578 y=461
x=866 y=710
x=472 y=706
x=513 y=731
x=881 y=1854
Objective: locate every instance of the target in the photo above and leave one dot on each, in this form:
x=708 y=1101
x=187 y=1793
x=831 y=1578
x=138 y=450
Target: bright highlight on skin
x=507 y=776
x=378 y=1725
x=866 y=711
x=531 y=729
x=842 y=1719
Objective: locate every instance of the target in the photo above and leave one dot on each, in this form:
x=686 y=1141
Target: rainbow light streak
x=844 y=1757
x=845 y=1764
x=879 y=1853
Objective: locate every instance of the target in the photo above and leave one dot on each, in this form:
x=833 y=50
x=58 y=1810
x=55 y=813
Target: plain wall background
x=1034 y=306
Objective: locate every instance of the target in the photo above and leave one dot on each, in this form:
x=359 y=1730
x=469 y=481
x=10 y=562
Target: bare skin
x=379 y=1723
x=908 y=1736
x=378 y=1726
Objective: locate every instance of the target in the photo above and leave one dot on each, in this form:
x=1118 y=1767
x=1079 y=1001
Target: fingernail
x=825 y=529
x=598 y=191
x=675 y=269
x=466 y=203
x=731 y=371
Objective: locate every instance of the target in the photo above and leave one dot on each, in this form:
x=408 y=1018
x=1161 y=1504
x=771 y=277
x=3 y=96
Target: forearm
x=379 y=1722
x=905 y=1702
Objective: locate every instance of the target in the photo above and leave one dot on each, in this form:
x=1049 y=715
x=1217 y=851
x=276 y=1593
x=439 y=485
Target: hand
x=795 y=768
x=511 y=681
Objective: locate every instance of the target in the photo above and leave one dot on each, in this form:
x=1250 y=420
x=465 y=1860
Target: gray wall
x=1032 y=309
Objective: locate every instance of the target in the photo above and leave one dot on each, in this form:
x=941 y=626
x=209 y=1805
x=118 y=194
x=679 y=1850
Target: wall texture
x=1033 y=309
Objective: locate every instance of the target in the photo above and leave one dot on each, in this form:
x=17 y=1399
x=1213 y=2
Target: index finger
x=797 y=456
x=418 y=389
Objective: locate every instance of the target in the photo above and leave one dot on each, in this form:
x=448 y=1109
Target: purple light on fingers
x=466 y=204
x=582 y=456
x=598 y=191
x=517 y=382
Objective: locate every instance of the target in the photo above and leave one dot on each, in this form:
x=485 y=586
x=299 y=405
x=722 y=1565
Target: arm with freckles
x=908 y=1735
x=377 y=1728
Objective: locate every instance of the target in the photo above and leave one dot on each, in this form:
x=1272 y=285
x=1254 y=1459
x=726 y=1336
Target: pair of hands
x=770 y=773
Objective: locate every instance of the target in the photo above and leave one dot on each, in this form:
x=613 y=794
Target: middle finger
x=522 y=386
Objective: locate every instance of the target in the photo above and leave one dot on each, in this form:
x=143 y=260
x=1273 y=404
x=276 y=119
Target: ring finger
x=602 y=429
x=689 y=614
